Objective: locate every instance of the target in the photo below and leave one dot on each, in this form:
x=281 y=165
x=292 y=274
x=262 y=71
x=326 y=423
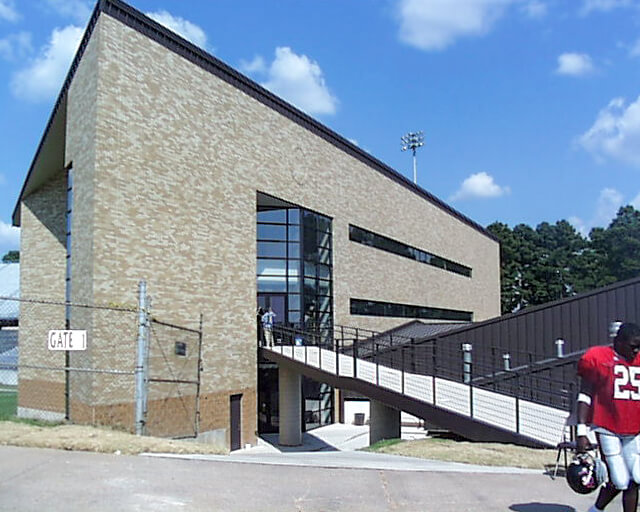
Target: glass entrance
x=294 y=278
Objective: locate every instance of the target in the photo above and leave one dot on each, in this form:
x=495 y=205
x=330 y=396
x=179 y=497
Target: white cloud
x=300 y=81
x=609 y=202
x=635 y=202
x=257 y=65
x=436 y=24
x=8 y=11
x=79 y=10
x=9 y=236
x=615 y=134
x=43 y=78
x=589 y=6
x=574 y=64
x=480 y=185
x=190 y=31
x=16 y=46
x=535 y=9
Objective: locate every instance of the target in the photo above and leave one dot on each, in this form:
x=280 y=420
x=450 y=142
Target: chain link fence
x=173 y=380
x=119 y=368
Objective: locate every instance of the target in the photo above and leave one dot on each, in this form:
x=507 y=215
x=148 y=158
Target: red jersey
x=615 y=387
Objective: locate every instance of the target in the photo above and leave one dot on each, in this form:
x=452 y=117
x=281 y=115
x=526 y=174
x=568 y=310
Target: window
x=68 y=220
x=383 y=243
x=377 y=308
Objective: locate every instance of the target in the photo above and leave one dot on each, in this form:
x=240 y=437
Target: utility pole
x=412 y=141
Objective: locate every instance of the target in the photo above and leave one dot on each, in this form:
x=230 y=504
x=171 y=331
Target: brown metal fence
x=96 y=385
x=173 y=380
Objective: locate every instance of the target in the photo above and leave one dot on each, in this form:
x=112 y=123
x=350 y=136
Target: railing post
x=466 y=362
x=355 y=356
x=413 y=355
x=377 y=365
x=559 y=347
x=518 y=403
x=506 y=358
x=402 y=367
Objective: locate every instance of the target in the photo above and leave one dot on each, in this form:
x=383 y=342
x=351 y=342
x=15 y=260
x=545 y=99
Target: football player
x=609 y=401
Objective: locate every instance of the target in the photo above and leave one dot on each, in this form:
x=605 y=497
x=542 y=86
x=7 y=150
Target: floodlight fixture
x=412 y=141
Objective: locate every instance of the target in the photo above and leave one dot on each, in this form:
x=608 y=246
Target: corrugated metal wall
x=581 y=321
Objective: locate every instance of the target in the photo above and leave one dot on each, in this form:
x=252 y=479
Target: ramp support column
x=290 y=401
x=384 y=422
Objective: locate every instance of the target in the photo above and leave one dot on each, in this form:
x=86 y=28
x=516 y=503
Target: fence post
x=142 y=358
x=199 y=373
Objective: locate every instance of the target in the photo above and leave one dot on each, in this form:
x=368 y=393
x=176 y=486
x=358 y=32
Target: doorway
x=235 y=403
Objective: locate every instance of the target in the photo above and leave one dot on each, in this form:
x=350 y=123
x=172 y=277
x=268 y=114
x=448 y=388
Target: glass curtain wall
x=294 y=277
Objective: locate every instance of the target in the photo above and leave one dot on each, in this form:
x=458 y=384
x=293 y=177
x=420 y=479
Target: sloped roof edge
x=540 y=307
x=136 y=20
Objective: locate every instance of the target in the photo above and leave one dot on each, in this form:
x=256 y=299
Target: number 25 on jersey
x=626 y=385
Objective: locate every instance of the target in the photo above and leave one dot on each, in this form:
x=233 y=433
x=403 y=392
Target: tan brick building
x=189 y=175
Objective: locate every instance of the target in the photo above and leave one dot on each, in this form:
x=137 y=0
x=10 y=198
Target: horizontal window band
x=366 y=237
x=391 y=309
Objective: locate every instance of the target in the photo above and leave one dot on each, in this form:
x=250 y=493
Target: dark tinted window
x=383 y=243
x=376 y=308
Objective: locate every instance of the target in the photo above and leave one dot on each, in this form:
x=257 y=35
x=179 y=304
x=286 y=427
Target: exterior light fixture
x=413 y=141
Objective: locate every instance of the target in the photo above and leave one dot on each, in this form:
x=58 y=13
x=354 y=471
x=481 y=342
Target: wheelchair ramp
x=470 y=411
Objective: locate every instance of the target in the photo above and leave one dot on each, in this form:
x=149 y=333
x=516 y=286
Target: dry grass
x=486 y=454
x=92 y=439
x=105 y=440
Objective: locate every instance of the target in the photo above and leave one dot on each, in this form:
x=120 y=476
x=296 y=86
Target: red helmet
x=585 y=474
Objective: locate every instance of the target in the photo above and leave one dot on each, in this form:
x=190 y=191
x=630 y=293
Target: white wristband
x=583 y=397
x=581 y=430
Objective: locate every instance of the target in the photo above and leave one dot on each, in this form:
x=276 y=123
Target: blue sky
x=530 y=108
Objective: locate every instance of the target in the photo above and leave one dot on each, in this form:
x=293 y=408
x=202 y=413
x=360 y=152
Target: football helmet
x=585 y=474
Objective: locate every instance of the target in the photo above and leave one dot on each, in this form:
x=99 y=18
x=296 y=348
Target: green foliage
x=554 y=261
x=8 y=403
x=11 y=257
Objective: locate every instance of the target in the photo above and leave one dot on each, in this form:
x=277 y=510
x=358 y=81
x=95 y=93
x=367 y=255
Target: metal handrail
x=549 y=380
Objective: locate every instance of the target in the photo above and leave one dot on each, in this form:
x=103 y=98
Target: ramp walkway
x=522 y=412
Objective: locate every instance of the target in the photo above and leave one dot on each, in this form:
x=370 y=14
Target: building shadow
x=541 y=507
x=310 y=443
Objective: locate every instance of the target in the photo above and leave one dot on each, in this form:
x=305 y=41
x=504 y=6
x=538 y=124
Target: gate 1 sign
x=67 y=340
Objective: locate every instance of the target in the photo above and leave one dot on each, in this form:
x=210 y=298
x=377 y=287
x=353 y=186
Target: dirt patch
x=92 y=439
x=486 y=454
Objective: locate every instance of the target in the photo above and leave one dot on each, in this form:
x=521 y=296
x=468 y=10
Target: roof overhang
x=49 y=157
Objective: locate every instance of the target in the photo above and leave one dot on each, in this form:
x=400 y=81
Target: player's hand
x=582 y=444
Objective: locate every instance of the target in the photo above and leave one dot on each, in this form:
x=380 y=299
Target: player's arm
x=584 y=415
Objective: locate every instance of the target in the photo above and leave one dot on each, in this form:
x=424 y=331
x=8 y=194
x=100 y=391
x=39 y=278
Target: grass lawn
x=8 y=402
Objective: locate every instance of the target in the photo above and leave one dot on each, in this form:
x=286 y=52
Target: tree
x=554 y=261
x=11 y=257
x=510 y=292
x=619 y=245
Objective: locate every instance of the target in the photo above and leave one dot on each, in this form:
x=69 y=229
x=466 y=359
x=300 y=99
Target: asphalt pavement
x=325 y=474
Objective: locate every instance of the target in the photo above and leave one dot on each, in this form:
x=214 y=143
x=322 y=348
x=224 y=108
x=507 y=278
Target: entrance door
x=236 y=423
x=277 y=302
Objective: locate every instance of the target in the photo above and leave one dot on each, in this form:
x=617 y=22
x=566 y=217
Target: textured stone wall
x=180 y=156
x=169 y=173
x=42 y=275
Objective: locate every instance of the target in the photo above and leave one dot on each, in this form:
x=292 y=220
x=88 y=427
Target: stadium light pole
x=412 y=141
